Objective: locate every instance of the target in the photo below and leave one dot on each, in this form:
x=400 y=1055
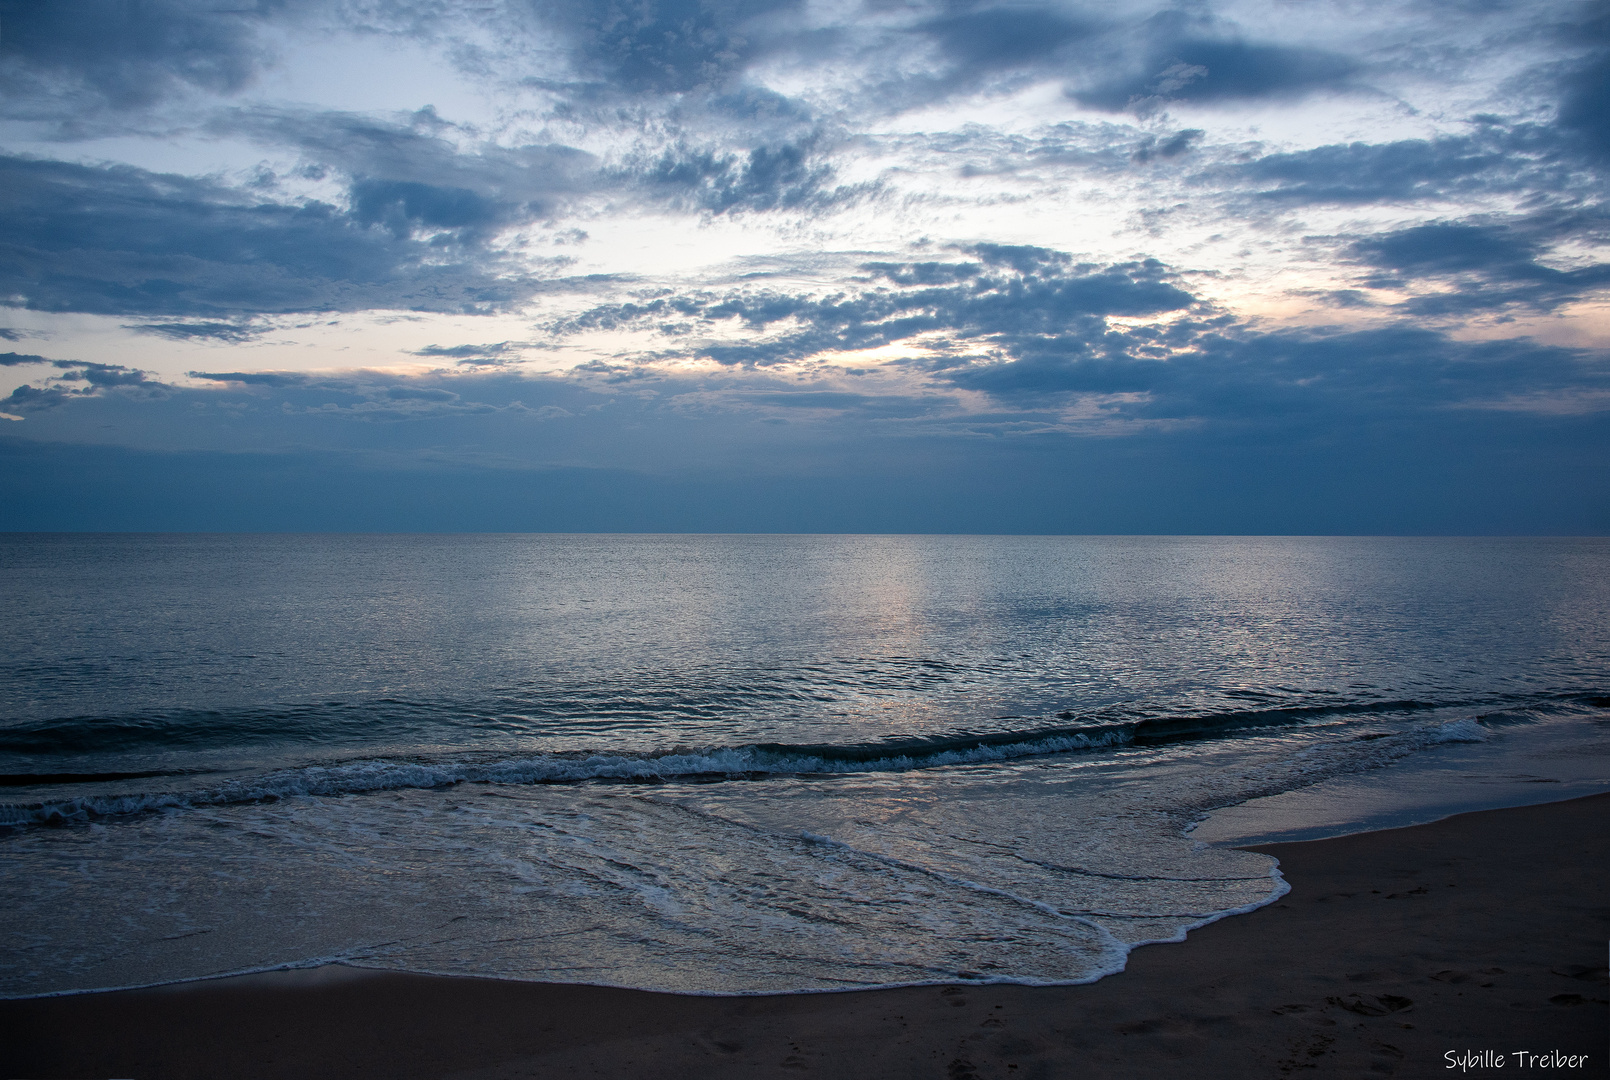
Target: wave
x=38 y=779
x=389 y=720
x=748 y=761
x=358 y=777
x=193 y=729
x=650 y=701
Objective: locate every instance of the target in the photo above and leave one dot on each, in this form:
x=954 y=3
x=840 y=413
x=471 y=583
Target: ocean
x=743 y=764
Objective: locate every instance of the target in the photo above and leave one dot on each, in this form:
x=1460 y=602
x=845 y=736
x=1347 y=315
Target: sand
x=1484 y=934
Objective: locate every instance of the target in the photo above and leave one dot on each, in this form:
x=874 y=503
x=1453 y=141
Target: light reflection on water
x=345 y=732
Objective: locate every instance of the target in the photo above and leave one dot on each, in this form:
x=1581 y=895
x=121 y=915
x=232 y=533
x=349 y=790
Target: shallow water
x=729 y=763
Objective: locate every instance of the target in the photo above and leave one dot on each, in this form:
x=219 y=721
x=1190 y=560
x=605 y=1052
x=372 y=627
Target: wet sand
x=1486 y=932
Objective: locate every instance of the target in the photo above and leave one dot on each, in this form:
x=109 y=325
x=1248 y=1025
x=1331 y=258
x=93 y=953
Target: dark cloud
x=1381 y=373
x=233 y=333
x=253 y=378
x=1114 y=61
x=102 y=376
x=1533 y=160
x=60 y=59
x=1153 y=148
x=1034 y=329
x=788 y=176
x=1177 y=62
x=1015 y=298
x=12 y=359
x=8 y=334
x=1475 y=267
x=66 y=61
x=78 y=379
x=665 y=46
x=414 y=233
x=1450 y=248
x=757 y=105
x=26 y=399
x=462 y=352
x=999 y=38
x=489 y=355
x=1237 y=429
x=924 y=273
x=1376 y=172
x=1235 y=375
x=404 y=206
x=119 y=240
x=1584 y=85
x=411 y=177
x=1585 y=107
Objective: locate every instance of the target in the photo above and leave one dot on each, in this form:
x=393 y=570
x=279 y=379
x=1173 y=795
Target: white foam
x=1466 y=730
x=360 y=777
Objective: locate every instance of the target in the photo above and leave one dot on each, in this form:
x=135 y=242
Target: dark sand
x=1486 y=931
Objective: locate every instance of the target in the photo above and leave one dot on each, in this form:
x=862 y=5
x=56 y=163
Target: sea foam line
x=360 y=777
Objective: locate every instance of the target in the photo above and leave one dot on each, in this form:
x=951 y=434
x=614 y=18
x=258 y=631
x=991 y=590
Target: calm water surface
x=725 y=763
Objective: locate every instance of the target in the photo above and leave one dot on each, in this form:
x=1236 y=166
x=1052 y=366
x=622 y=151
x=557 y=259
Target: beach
x=1482 y=936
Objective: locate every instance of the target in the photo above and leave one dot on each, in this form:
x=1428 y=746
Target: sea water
x=735 y=764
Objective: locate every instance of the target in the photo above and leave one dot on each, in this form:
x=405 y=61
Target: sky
x=1233 y=266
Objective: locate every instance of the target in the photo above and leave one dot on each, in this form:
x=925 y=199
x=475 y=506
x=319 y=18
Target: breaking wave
x=753 y=761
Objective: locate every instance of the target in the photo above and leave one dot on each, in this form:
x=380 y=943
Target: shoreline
x=1393 y=948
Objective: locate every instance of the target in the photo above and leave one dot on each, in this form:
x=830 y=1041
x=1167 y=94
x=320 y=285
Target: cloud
x=1038 y=332
x=229 y=332
x=368 y=396
x=1176 y=62
x=1136 y=60
x=665 y=46
x=1175 y=145
x=464 y=351
x=1238 y=429
x=415 y=172
x=786 y=176
x=1448 y=248
x=411 y=178
x=1584 y=85
x=404 y=206
x=78 y=379
x=1035 y=330
x=102 y=376
x=797 y=139
x=122 y=241
x=1585 y=106
x=495 y=353
x=1492 y=158
x=1404 y=170
x=56 y=59
x=254 y=378
x=1198 y=369
x=1010 y=297
x=415 y=233
x=1236 y=377
x=1476 y=267
x=1000 y=38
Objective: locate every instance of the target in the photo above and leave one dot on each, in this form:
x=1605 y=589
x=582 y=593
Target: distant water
x=725 y=763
